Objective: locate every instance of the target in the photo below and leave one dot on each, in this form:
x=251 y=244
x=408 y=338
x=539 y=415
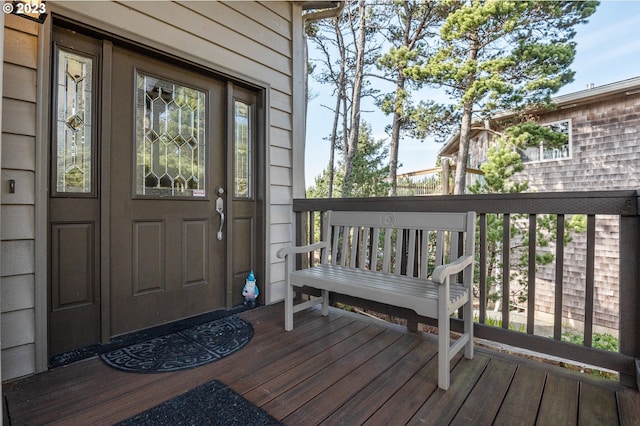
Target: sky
x=608 y=51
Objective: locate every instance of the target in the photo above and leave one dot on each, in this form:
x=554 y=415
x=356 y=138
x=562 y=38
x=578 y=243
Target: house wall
x=260 y=43
x=605 y=156
x=17 y=233
x=605 y=149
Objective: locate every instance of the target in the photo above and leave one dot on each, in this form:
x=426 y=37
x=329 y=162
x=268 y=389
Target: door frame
x=64 y=17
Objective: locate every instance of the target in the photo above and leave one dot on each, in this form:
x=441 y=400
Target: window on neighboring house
x=546 y=153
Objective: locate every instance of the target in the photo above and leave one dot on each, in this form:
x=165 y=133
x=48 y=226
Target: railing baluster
x=483 y=268
x=589 y=291
x=559 y=288
x=506 y=270
x=531 y=283
x=311 y=234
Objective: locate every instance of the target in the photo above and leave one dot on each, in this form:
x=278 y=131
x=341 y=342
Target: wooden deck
x=337 y=370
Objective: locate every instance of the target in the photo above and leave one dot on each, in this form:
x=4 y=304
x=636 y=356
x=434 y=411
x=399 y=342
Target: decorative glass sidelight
x=74 y=157
x=170 y=139
x=243 y=186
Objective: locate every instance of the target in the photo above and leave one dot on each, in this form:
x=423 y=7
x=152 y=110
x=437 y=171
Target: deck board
x=521 y=404
x=443 y=405
x=593 y=405
x=363 y=405
x=329 y=400
x=482 y=405
x=340 y=369
x=559 y=404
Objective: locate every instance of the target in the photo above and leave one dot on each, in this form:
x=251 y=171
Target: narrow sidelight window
x=243 y=150
x=74 y=137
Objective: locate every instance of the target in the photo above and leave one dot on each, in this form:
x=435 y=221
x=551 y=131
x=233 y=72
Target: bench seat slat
x=415 y=293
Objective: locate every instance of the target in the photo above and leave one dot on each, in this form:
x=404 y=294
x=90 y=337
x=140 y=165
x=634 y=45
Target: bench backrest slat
x=407 y=243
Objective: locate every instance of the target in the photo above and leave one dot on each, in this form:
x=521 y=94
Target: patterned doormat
x=184 y=349
x=210 y=404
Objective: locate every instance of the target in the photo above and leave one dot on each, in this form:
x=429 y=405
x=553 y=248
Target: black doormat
x=210 y=404
x=183 y=349
x=74 y=355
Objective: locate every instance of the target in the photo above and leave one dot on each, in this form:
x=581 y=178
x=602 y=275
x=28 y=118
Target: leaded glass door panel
x=167 y=158
x=74 y=310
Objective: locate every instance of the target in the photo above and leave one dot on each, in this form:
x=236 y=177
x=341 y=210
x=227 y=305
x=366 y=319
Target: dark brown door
x=140 y=175
x=167 y=161
x=74 y=203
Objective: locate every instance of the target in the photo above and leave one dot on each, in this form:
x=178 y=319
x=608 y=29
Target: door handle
x=220 y=210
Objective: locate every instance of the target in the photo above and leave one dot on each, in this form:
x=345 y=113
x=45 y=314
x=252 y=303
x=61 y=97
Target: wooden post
x=445 y=176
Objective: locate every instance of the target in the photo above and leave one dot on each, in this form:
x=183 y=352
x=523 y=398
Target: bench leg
x=325 y=303
x=288 y=307
x=468 y=327
x=444 y=344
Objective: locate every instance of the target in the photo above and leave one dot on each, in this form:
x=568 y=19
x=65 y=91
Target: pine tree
x=496 y=55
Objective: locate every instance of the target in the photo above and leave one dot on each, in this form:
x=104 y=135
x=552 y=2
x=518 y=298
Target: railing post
x=630 y=288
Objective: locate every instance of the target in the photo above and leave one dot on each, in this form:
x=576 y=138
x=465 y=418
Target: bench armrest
x=283 y=252
x=441 y=272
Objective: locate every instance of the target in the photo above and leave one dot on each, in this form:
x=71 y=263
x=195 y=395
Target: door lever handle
x=220 y=210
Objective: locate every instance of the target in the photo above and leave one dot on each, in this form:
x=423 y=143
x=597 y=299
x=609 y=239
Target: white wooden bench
x=406 y=259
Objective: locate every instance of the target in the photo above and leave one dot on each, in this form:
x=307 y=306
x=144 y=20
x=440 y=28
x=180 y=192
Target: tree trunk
x=465 y=126
x=395 y=136
x=463 y=150
x=341 y=93
x=354 y=130
x=332 y=151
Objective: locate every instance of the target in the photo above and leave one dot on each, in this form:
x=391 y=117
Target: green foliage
x=497 y=322
x=368 y=175
x=503 y=54
x=503 y=162
x=600 y=340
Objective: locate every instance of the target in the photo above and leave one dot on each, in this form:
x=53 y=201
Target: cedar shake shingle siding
x=605 y=155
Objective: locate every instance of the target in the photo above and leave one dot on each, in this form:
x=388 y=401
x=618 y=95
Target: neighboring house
x=127 y=128
x=602 y=153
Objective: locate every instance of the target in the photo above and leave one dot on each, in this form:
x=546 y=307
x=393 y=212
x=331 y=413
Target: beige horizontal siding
x=159 y=23
x=18 y=293
x=18 y=152
x=17 y=222
x=18 y=361
x=18 y=228
x=266 y=16
x=281 y=176
x=20 y=48
x=18 y=117
x=280 y=137
x=19 y=82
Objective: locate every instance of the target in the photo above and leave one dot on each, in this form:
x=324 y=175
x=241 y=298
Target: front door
x=167 y=162
x=138 y=192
